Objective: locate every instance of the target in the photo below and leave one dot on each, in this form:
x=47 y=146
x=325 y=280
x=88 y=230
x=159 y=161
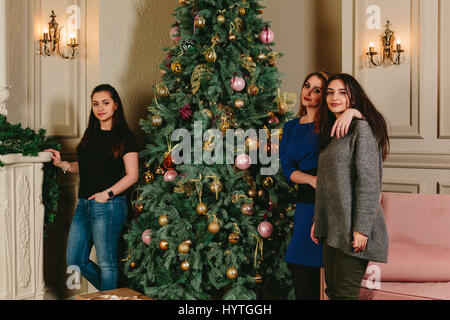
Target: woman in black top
x=108 y=167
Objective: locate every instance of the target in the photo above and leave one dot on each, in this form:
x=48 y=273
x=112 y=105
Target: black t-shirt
x=98 y=168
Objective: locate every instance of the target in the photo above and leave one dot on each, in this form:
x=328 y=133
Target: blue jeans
x=98 y=224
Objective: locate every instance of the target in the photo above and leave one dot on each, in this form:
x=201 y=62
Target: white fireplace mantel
x=22 y=227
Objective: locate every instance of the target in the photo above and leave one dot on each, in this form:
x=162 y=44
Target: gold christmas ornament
x=260 y=193
x=260 y=11
x=214 y=227
x=200 y=22
x=268 y=182
x=185 y=265
x=133 y=265
x=262 y=57
x=215 y=40
x=232 y=37
x=176 y=68
x=139 y=208
x=157 y=121
x=242 y=11
x=201 y=208
x=221 y=19
x=253 y=90
x=233 y=238
x=258 y=278
x=148 y=177
x=252 y=193
x=247 y=209
x=182 y=2
x=224 y=127
x=163 y=91
x=252 y=144
x=216 y=186
x=239 y=103
x=163 y=220
x=211 y=55
x=164 y=245
x=232 y=273
x=283 y=108
x=184 y=248
x=272 y=62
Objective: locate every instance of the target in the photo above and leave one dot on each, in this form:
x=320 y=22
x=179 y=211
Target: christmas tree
x=205 y=227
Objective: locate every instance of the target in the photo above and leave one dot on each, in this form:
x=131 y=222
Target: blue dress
x=299 y=150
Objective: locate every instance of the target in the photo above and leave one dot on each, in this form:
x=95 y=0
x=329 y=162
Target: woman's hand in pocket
x=101 y=197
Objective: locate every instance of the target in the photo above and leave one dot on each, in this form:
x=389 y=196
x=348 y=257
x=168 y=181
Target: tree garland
x=14 y=139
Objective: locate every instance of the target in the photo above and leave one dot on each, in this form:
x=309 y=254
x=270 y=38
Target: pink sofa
x=419 y=250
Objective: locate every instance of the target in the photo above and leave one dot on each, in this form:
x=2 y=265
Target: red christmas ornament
x=168 y=162
x=186 y=112
x=274 y=120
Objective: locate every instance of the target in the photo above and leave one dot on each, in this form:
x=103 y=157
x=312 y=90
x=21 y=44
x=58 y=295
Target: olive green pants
x=343 y=274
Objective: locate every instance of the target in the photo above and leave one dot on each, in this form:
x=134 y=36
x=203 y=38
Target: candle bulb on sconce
x=46 y=37
x=73 y=39
x=371 y=47
x=372 y=53
x=399 y=44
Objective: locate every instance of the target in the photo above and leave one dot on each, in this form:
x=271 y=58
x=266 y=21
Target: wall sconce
x=389 y=54
x=51 y=41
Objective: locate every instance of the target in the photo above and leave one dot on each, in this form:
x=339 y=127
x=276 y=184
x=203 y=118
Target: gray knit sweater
x=348 y=192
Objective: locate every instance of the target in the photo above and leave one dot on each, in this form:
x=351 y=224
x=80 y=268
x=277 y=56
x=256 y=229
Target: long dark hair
x=358 y=100
x=119 y=127
x=322 y=75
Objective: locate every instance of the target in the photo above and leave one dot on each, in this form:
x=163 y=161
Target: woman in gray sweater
x=349 y=219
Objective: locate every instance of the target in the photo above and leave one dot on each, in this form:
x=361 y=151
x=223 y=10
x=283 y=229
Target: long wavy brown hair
x=322 y=75
x=119 y=127
x=359 y=100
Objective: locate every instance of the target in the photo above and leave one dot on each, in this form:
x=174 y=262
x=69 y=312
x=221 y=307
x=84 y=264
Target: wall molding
x=443 y=187
x=401 y=186
x=443 y=103
x=416 y=160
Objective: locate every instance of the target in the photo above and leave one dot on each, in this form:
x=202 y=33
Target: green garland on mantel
x=16 y=140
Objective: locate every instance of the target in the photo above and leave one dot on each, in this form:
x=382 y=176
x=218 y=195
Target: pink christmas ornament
x=267 y=36
x=238 y=84
x=147 y=236
x=170 y=176
x=265 y=229
x=243 y=161
x=175 y=34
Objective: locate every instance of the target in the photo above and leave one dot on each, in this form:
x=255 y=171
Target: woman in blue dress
x=299 y=153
